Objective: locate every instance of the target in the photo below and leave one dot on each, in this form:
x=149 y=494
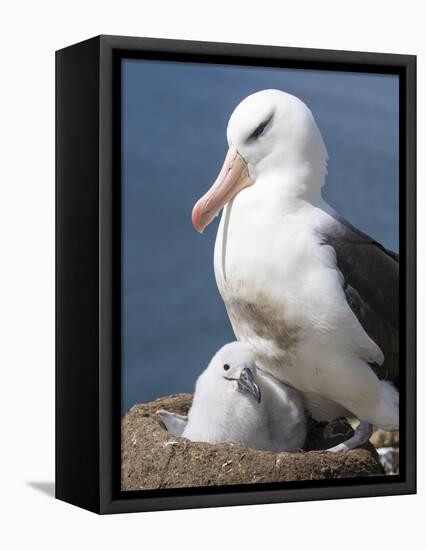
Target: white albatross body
x=321 y=351
x=279 y=279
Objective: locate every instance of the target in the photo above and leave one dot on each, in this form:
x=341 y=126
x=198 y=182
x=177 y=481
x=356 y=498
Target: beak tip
x=247 y=384
x=198 y=221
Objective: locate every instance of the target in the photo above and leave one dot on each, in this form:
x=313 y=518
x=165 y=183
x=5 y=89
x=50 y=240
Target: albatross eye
x=226 y=367
x=260 y=129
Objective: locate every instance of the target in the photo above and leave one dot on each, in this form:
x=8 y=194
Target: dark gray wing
x=371 y=286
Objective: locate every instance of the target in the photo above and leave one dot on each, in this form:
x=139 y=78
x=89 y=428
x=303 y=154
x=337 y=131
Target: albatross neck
x=287 y=188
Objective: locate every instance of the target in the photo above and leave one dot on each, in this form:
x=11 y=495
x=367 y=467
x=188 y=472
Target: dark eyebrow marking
x=261 y=128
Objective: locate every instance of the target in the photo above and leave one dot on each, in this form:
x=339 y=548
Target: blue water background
x=174 y=118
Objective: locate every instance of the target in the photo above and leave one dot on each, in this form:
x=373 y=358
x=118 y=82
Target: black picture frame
x=88 y=273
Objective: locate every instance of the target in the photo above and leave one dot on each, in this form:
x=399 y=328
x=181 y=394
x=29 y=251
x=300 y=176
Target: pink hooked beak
x=232 y=178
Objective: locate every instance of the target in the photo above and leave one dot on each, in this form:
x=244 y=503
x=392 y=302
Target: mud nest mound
x=152 y=458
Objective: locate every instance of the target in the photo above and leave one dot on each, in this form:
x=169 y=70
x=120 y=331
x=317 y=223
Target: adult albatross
x=316 y=298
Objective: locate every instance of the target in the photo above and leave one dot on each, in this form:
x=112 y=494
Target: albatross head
x=272 y=137
x=232 y=369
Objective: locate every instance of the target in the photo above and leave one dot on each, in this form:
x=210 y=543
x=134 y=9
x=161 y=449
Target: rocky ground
x=152 y=458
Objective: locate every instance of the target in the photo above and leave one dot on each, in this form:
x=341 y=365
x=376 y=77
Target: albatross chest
x=275 y=279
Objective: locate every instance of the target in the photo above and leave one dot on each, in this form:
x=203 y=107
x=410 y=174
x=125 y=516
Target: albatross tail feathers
x=388 y=413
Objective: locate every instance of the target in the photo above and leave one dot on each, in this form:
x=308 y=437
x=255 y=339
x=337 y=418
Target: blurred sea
x=174 y=141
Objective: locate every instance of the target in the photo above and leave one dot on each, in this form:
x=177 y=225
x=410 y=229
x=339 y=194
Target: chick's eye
x=226 y=367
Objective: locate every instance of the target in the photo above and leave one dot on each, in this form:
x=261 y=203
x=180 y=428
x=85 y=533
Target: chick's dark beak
x=247 y=384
